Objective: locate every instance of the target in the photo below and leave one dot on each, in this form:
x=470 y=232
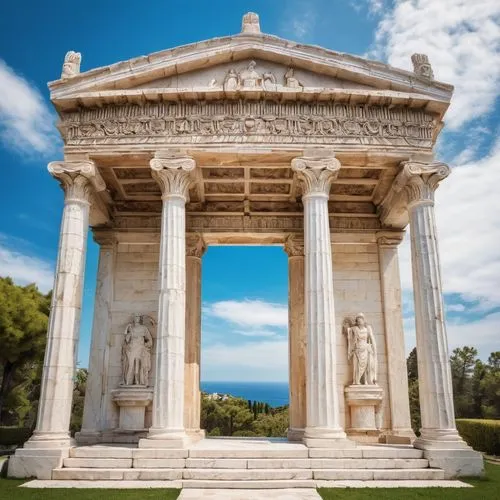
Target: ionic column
x=297 y=337
x=195 y=248
x=78 y=180
x=390 y=282
x=97 y=398
x=323 y=419
x=167 y=430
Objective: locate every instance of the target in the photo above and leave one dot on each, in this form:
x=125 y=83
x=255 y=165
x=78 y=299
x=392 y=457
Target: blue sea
x=273 y=393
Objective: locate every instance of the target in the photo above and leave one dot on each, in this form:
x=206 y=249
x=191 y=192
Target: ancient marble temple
x=247 y=139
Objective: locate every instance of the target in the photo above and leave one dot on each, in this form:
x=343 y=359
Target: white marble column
x=439 y=438
x=195 y=248
x=173 y=174
x=97 y=398
x=390 y=283
x=78 y=179
x=297 y=337
x=323 y=427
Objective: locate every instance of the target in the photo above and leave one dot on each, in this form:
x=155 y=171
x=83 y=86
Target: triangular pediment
x=208 y=70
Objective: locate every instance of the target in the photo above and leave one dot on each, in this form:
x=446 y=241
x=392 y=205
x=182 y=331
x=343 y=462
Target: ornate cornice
x=77 y=178
x=389 y=239
x=173 y=175
x=316 y=174
x=294 y=245
x=195 y=245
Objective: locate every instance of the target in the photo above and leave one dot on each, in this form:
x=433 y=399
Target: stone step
x=367 y=452
x=249 y=453
x=89 y=474
x=247 y=474
x=98 y=463
x=123 y=452
x=247 y=485
x=378 y=474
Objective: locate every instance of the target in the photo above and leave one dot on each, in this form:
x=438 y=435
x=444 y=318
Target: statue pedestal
x=132 y=400
x=364 y=407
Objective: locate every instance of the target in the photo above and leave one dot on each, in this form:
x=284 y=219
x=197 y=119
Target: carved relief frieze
x=254 y=223
x=245 y=121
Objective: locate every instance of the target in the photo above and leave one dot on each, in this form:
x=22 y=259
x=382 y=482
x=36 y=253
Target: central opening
x=244 y=352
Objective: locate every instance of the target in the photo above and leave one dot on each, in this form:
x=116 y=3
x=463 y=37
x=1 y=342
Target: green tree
x=413 y=391
x=463 y=361
x=490 y=385
x=23 y=325
x=271 y=425
x=79 y=387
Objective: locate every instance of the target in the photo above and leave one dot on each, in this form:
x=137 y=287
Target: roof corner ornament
x=250 y=23
x=71 y=65
x=421 y=66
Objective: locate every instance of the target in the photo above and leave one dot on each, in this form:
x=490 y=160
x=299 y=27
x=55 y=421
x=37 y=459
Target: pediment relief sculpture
x=136 y=353
x=421 y=66
x=71 y=65
x=361 y=350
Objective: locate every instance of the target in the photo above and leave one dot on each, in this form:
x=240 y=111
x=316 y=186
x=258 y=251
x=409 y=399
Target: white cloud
x=25 y=269
x=256 y=333
x=26 y=122
x=482 y=334
x=462 y=40
x=455 y=308
x=262 y=361
x=299 y=19
x=249 y=313
x=467 y=208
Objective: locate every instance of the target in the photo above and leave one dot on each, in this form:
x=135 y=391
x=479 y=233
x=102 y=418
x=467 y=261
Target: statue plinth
x=364 y=402
x=133 y=401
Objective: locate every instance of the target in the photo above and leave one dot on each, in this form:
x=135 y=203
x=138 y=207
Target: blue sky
x=245 y=288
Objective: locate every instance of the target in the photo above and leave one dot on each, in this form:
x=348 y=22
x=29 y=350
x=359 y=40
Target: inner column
x=323 y=419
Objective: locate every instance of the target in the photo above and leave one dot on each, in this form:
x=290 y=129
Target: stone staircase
x=239 y=464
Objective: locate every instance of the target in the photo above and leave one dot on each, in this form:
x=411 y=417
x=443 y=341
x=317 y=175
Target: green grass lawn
x=485 y=488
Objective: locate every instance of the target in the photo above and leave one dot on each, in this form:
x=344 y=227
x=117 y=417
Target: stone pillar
x=95 y=407
x=195 y=247
x=297 y=337
x=390 y=282
x=323 y=417
x=439 y=435
x=173 y=174
x=51 y=440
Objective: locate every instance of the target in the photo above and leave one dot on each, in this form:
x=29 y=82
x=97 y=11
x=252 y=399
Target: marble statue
x=249 y=77
x=136 y=353
x=290 y=80
x=231 y=80
x=361 y=349
x=422 y=66
x=269 y=81
x=71 y=65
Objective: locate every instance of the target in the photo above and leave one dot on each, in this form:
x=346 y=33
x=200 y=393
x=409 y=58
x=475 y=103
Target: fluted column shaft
x=173 y=176
x=95 y=410
x=297 y=338
x=434 y=372
x=323 y=418
x=78 y=180
x=390 y=283
x=195 y=247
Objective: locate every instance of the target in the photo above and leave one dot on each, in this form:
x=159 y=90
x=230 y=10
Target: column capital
x=316 y=173
x=294 y=245
x=173 y=174
x=77 y=178
x=195 y=245
x=389 y=239
x=419 y=180
x=104 y=238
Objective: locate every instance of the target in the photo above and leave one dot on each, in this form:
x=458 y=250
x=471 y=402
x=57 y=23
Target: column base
x=295 y=434
x=195 y=435
x=50 y=440
x=36 y=462
x=316 y=437
x=164 y=438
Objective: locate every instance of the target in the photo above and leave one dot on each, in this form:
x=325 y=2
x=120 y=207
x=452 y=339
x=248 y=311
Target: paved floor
x=289 y=494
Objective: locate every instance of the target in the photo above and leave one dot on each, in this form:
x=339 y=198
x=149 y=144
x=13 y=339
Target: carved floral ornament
x=77 y=178
x=242 y=121
x=195 y=245
x=294 y=245
x=173 y=175
x=316 y=174
x=71 y=65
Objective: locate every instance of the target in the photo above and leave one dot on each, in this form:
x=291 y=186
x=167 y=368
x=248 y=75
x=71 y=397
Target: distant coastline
x=273 y=393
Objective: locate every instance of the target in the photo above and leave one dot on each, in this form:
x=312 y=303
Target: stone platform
x=246 y=464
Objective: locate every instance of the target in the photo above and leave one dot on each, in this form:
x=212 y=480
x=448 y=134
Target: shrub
x=482 y=435
x=14 y=435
